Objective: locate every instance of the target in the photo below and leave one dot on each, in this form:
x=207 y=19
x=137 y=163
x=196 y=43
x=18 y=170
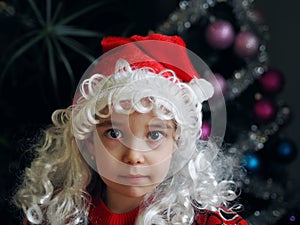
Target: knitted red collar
x=99 y=214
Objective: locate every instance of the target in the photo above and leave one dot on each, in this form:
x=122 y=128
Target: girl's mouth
x=134 y=178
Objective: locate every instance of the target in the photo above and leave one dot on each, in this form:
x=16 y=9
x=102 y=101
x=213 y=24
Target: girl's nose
x=134 y=151
x=133 y=157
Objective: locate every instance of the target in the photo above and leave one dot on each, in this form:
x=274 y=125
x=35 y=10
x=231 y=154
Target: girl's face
x=133 y=152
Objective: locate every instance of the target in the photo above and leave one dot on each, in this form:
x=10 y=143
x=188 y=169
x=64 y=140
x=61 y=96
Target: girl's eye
x=155 y=135
x=114 y=133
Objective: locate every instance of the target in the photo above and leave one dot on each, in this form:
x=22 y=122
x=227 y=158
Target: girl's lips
x=135 y=179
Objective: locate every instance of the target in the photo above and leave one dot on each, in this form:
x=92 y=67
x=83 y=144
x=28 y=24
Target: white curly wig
x=55 y=187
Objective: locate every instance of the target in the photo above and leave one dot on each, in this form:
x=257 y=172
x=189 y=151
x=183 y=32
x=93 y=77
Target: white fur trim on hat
x=202 y=88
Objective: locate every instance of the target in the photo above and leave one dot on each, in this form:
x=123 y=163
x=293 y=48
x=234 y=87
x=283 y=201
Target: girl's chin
x=132 y=190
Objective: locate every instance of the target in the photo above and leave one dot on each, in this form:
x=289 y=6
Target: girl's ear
x=89 y=144
x=87 y=150
x=176 y=135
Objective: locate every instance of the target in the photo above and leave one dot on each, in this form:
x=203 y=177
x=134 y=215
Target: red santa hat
x=156 y=51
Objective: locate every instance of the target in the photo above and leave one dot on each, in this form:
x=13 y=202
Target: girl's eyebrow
x=160 y=125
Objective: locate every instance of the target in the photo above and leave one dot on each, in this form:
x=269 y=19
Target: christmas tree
x=45 y=63
x=232 y=38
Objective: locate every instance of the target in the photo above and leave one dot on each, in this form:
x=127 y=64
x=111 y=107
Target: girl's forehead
x=149 y=119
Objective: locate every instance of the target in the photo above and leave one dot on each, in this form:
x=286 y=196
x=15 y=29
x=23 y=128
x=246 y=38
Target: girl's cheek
x=110 y=145
x=113 y=147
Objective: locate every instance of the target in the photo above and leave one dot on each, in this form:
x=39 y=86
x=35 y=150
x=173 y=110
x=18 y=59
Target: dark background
x=283 y=19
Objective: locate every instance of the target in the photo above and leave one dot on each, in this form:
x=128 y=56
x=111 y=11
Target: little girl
x=128 y=150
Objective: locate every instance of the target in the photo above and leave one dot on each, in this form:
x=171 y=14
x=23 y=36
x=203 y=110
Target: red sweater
x=101 y=215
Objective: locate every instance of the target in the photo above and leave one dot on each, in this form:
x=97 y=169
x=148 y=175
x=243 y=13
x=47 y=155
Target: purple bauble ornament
x=220 y=34
x=264 y=110
x=206 y=130
x=246 y=44
x=271 y=82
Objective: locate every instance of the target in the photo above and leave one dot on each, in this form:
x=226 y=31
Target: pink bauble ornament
x=246 y=44
x=222 y=85
x=220 y=34
x=271 y=82
x=264 y=110
x=206 y=129
x=219 y=84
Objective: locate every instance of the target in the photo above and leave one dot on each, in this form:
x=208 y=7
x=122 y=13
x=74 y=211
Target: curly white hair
x=200 y=175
